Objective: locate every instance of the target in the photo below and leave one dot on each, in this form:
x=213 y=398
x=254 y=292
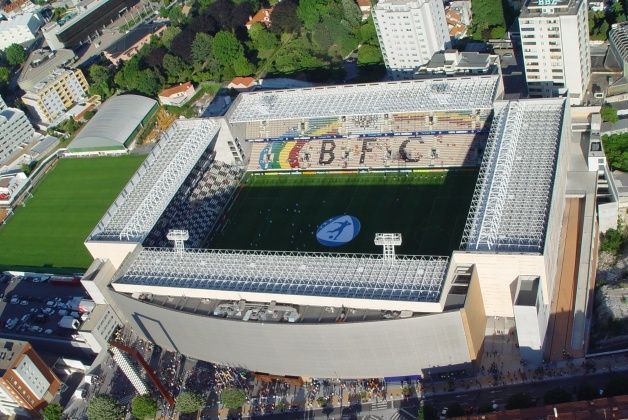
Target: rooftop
x=113 y=124
x=449 y=94
x=558 y=7
x=133 y=37
x=9 y=349
x=358 y=276
x=618 y=36
x=511 y=203
x=145 y=197
x=173 y=90
x=40 y=64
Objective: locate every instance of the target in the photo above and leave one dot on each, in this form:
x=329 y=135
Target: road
x=472 y=398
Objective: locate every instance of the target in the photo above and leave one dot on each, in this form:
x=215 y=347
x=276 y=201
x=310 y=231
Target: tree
x=368 y=34
x=53 y=412
x=4 y=75
x=609 y=114
x=369 y=54
x=100 y=81
x=284 y=17
x=189 y=402
x=169 y=34
x=264 y=41
x=520 y=400
x=616 y=150
x=310 y=12
x=612 y=241
x=15 y=54
x=352 y=12
x=181 y=45
x=176 y=69
x=143 y=406
x=488 y=15
x=557 y=396
x=226 y=47
x=104 y=407
x=201 y=48
x=233 y=398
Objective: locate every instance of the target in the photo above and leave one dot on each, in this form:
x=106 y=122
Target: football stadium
x=351 y=231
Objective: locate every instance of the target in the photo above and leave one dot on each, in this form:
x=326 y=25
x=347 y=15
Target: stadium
x=351 y=231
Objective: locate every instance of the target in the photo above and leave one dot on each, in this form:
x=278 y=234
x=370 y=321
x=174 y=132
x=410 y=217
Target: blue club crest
x=338 y=230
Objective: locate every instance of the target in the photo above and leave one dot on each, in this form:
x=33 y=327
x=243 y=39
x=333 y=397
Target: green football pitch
x=282 y=212
x=48 y=234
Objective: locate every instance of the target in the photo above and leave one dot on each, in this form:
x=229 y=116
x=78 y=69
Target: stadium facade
x=343 y=315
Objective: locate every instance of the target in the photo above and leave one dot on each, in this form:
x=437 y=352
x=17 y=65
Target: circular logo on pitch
x=338 y=230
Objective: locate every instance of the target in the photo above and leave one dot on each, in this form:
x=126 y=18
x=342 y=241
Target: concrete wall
x=343 y=350
x=113 y=251
x=497 y=274
x=474 y=317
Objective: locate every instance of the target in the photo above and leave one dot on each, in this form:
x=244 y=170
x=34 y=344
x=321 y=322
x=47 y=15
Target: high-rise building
x=410 y=32
x=52 y=97
x=27 y=384
x=555 y=43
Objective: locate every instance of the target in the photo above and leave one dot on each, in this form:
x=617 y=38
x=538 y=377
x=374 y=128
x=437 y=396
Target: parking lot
x=32 y=307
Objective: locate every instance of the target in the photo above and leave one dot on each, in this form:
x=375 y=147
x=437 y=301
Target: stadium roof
x=511 y=203
x=449 y=94
x=145 y=197
x=113 y=124
x=360 y=276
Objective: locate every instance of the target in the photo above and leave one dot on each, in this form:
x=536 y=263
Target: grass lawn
x=282 y=212
x=48 y=234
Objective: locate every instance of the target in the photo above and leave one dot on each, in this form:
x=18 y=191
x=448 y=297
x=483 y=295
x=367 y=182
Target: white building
x=15 y=130
x=555 y=42
x=20 y=29
x=410 y=32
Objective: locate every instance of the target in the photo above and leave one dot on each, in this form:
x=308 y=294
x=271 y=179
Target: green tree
x=612 y=241
x=15 y=54
x=368 y=34
x=233 y=398
x=100 y=81
x=264 y=41
x=189 y=402
x=609 y=114
x=104 y=407
x=310 y=12
x=143 y=406
x=284 y=17
x=169 y=34
x=488 y=16
x=352 y=12
x=616 y=150
x=557 y=396
x=131 y=77
x=369 y=54
x=201 y=48
x=4 y=75
x=53 y=412
x=226 y=47
x=176 y=69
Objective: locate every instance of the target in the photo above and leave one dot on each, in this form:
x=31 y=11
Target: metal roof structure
x=448 y=94
x=360 y=276
x=145 y=197
x=511 y=202
x=113 y=124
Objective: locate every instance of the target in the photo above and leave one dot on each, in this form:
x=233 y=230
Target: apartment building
x=410 y=32
x=20 y=29
x=27 y=385
x=15 y=130
x=49 y=99
x=555 y=43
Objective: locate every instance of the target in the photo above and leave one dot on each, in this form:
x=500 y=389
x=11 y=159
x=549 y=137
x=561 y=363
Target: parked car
x=35 y=328
x=48 y=311
x=48 y=331
x=26 y=317
x=24 y=302
x=15 y=300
